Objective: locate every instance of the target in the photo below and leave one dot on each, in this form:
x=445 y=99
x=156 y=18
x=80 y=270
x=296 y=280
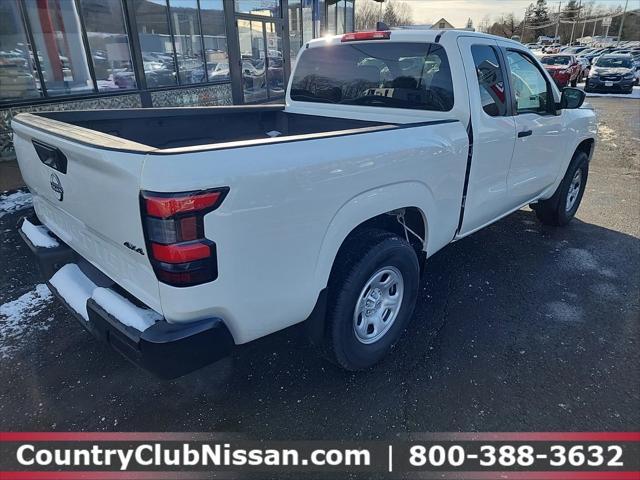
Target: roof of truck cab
x=402 y=35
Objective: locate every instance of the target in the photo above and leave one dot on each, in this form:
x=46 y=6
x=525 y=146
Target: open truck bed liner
x=170 y=130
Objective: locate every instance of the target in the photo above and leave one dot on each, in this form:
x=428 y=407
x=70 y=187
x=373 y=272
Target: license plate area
x=608 y=84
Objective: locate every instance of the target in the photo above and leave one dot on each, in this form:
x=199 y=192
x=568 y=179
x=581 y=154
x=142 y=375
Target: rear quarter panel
x=290 y=206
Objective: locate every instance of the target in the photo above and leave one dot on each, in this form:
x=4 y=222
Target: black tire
x=365 y=255
x=554 y=211
x=574 y=82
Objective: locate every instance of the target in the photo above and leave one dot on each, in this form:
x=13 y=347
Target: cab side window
x=490 y=80
x=528 y=83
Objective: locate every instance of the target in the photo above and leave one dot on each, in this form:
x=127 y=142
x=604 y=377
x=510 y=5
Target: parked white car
x=178 y=233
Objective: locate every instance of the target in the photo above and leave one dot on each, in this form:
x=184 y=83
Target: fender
x=582 y=128
x=367 y=205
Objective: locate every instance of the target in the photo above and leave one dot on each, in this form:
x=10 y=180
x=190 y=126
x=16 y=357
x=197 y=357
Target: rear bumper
x=165 y=349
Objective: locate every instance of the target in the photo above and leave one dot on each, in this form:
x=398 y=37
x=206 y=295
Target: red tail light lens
x=180 y=253
x=174 y=230
x=360 y=36
x=163 y=207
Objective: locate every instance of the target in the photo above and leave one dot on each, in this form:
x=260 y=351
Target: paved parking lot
x=518 y=327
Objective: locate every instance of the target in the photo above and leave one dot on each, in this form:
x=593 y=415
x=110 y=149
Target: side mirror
x=572 y=98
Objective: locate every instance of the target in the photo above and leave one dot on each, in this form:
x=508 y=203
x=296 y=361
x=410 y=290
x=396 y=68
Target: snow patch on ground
x=124 y=310
x=564 y=312
x=635 y=94
x=12 y=202
x=607 y=290
x=606 y=133
x=16 y=324
x=579 y=259
x=39 y=235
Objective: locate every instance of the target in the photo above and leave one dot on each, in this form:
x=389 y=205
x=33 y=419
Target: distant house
x=441 y=24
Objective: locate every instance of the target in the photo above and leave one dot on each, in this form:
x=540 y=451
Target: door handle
x=525 y=133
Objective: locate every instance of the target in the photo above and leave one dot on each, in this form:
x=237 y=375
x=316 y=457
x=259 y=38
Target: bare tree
x=485 y=24
x=507 y=26
x=393 y=12
x=367 y=14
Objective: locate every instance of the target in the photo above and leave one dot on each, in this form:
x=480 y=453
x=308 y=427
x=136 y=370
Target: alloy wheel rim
x=574 y=190
x=378 y=305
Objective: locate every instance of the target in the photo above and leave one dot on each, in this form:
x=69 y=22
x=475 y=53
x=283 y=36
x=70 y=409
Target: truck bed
x=169 y=128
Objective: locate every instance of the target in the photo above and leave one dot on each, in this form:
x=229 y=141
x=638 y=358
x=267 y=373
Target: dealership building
x=94 y=54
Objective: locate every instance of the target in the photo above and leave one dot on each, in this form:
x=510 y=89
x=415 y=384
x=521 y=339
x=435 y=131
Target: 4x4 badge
x=56 y=186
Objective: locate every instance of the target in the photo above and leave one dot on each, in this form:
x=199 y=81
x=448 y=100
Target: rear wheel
x=574 y=82
x=563 y=205
x=372 y=294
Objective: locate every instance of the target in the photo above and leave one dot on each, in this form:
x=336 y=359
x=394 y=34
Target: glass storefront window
x=307 y=20
x=188 y=42
x=252 y=52
x=275 y=69
x=18 y=77
x=300 y=26
x=155 y=42
x=349 y=16
x=109 y=44
x=295 y=28
x=215 y=40
x=340 y=17
x=56 y=30
x=331 y=17
x=270 y=8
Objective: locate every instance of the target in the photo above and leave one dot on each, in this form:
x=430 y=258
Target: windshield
x=381 y=74
x=613 y=62
x=561 y=60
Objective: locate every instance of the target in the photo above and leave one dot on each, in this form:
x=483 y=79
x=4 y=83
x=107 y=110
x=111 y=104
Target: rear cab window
x=378 y=74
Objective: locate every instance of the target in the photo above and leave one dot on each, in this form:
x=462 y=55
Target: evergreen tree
x=540 y=17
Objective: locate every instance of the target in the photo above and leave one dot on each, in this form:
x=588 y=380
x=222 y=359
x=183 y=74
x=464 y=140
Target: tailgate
x=94 y=207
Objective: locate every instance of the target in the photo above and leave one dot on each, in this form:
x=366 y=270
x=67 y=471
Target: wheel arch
x=377 y=209
x=587 y=146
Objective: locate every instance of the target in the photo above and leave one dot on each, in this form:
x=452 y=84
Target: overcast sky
x=457 y=11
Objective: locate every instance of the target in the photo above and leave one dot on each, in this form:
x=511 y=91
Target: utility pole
x=557 y=22
x=622 y=21
x=584 y=25
x=595 y=22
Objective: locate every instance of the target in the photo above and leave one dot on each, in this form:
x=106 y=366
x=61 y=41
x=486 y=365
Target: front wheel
x=372 y=294
x=563 y=205
x=574 y=82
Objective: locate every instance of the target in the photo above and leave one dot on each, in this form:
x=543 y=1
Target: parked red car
x=564 y=69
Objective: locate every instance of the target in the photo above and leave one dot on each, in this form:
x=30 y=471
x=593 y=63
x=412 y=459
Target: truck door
x=541 y=134
x=493 y=130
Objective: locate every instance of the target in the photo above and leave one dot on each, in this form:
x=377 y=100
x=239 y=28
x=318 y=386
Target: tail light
x=174 y=230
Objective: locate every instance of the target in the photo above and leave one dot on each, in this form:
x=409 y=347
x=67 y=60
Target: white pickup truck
x=175 y=234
